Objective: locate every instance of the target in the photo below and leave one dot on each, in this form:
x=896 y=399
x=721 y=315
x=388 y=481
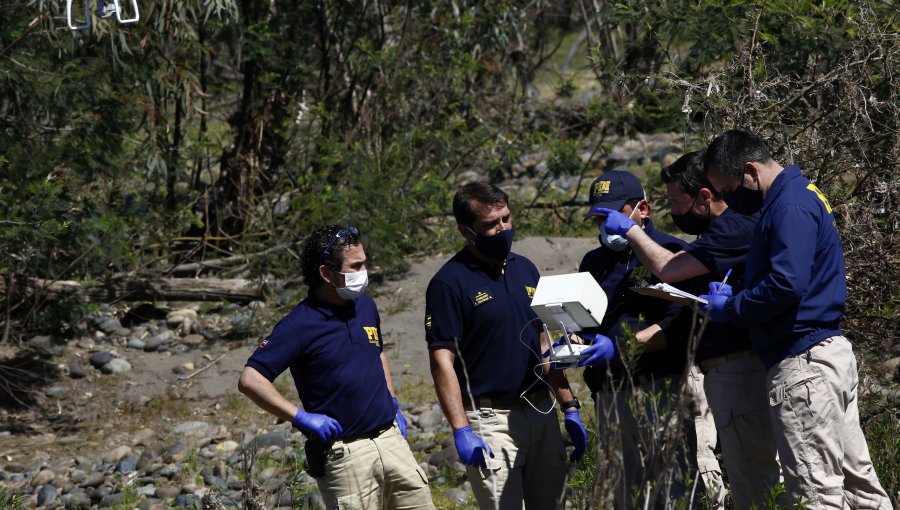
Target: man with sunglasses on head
x=734 y=380
x=660 y=335
x=792 y=303
x=484 y=344
x=356 y=445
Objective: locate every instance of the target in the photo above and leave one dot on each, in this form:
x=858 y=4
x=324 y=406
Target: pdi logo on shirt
x=263 y=342
x=372 y=333
x=529 y=291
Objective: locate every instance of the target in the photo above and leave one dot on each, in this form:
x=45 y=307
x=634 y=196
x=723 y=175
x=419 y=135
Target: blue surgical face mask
x=614 y=242
x=497 y=246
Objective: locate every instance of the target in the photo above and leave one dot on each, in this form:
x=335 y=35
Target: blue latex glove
x=601 y=350
x=577 y=432
x=401 y=420
x=471 y=447
x=616 y=222
x=725 y=290
x=323 y=427
x=717 y=298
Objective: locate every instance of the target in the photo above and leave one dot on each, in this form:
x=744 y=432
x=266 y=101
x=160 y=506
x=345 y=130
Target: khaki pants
x=529 y=463
x=636 y=453
x=736 y=392
x=374 y=474
x=705 y=428
x=814 y=411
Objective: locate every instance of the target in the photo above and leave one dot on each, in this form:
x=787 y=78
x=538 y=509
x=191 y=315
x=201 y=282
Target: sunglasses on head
x=342 y=234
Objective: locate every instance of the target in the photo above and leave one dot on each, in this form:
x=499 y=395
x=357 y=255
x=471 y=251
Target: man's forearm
x=264 y=394
x=652 y=255
x=446 y=385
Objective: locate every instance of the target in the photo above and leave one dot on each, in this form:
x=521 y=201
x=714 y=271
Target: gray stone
x=275 y=438
x=146 y=491
x=111 y=500
x=76 y=369
x=153 y=504
x=431 y=419
x=444 y=456
x=116 y=366
x=42 y=342
x=76 y=501
x=135 y=343
x=192 y=428
x=54 y=391
x=456 y=495
x=152 y=344
x=193 y=340
x=117 y=453
x=126 y=465
x=169 y=471
x=15 y=467
x=43 y=477
x=188 y=501
x=46 y=495
x=98 y=359
x=148 y=456
x=176 y=349
x=94 y=480
x=167 y=492
x=423 y=446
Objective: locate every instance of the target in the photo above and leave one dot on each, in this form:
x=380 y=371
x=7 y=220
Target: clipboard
x=669 y=293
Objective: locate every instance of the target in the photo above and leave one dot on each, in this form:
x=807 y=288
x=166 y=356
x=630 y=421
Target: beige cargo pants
x=823 y=452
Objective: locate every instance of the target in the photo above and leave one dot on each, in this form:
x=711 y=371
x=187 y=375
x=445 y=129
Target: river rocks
x=116 y=366
x=98 y=359
x=43 y=477
x=46 y=495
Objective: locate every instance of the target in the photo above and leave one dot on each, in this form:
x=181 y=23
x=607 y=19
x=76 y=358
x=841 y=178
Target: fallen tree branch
x=237 y=290
x=192 y=374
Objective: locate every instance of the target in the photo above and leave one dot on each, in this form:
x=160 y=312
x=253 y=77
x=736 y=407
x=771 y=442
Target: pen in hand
x=727 y=274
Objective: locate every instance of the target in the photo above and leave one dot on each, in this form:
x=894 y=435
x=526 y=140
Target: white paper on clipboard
x=669 y=293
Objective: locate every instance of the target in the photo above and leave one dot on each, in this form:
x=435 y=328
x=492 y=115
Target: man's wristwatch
x=574 y=403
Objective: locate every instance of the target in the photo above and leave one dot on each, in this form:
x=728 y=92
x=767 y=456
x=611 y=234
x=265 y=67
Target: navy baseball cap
x=611 y=190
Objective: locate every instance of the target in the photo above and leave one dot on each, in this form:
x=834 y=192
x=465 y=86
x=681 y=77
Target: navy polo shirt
x=334 y=354
x=795 y=285
x=489 y=313
x=616 y=272
x=722 y=247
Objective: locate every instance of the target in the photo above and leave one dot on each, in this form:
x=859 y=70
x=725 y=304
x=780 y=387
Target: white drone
x=105 y=9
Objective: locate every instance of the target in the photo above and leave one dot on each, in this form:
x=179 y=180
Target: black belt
x=372 y=434
x=484 y=402
x=709 y=364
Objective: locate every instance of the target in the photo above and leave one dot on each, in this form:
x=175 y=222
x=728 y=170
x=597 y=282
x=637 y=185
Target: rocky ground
x=141 y=409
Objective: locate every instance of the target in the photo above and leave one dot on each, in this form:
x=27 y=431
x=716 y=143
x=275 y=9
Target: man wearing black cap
x=660 y=341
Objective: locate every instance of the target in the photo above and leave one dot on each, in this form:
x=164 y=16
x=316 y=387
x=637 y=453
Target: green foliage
x=10 y=500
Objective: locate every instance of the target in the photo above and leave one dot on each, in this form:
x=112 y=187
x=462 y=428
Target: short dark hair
x=688 y=172
x=729 y=151
x=314 y=252
x=483 y=193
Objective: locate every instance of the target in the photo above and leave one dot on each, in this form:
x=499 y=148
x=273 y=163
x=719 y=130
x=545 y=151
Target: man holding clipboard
x=734 y=379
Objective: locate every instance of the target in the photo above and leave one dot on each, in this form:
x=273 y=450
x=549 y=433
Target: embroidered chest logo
x=529 y=291
x=372 y=333
x=264 y=342
x=428 y=321
x=640 y=276
x=481 y=297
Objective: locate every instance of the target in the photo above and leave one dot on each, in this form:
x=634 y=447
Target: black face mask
x=690 y=223
x=744 y=200
x=495 y=247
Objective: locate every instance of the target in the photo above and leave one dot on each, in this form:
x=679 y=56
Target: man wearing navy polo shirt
x=792 y=304
x=485 y=344
x=356 y=435
x=734 y=379
x=661 y=335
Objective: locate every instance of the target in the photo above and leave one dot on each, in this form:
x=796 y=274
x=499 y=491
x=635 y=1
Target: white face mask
x=354 y=285
x=614 y=242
